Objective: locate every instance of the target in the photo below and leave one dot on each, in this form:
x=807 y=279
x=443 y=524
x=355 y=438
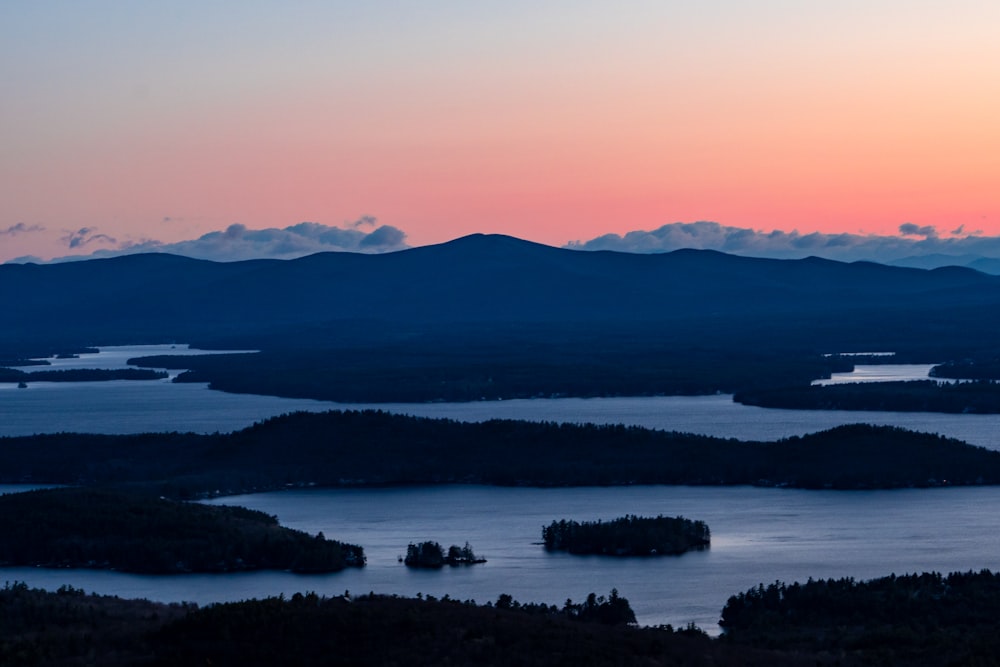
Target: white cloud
x=238 y=242
x=913 y=242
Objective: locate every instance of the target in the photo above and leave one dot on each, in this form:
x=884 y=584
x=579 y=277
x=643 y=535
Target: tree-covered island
x=430 y=555
x=81 y=375
x=974 y=397
x=629 y=535
x=371 y=448
x=104 y=529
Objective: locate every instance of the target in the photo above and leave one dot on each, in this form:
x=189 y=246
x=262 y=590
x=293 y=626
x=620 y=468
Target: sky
x=144 y=125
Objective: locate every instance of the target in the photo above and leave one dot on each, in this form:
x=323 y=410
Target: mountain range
x=481 y=283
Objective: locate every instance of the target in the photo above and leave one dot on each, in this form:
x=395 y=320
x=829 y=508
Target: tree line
x=359 y=448
x=913 y=619
x=920 y=619
x=973 y=397
x=81 y=375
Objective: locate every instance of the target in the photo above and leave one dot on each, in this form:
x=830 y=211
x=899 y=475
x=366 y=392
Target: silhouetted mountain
x=479 y=280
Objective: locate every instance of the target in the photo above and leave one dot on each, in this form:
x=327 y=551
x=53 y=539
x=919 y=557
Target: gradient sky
x=548 y=120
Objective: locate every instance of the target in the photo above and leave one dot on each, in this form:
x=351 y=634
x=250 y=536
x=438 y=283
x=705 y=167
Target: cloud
x=85 y=236
x=383 y=237
x=238 y=242
x=21 y=228
x=913 y=243
x=365 y=220
x=910 y=229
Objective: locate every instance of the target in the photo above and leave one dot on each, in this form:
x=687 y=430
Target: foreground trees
x=914 y=619
x=925 y=620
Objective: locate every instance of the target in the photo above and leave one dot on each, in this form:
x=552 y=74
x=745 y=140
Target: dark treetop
x=914 y=619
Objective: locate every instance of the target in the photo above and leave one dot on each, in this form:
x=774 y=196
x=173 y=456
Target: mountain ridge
x=477 y=280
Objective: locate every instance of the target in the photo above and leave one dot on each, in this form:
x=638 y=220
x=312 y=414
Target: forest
x=981 y=368
x=629 y=535
x=924 y=619
x=371 y=448
x=460 y=371
x=973 y=397
x=130 y=532
x=71 y=627
x=80 y=375
x=912 y=619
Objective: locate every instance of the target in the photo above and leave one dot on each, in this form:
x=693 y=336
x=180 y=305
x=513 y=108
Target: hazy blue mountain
x=978 y=262
x=476 y=280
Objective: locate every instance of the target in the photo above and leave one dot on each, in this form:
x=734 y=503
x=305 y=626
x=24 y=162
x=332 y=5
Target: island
x=629 y=535
x=372 y=448
x=132 y=532
x=431 y=555
x=972 y=397
x=81 y=375
x=450 y=370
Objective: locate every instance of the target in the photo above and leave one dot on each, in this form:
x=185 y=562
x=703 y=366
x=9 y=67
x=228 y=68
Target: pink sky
x=550 y=121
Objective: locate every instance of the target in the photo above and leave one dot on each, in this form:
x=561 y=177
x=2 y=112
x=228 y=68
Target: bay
x=122 y=406
x=758 y=536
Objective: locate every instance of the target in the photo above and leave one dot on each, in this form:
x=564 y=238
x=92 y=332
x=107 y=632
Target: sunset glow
x=549 y=121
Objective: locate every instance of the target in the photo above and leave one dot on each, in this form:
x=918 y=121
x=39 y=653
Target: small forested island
x=628 y=536
x=105 y=529
x=7 y=360
x=975 y=397
x=81 y=375
x=431 y=555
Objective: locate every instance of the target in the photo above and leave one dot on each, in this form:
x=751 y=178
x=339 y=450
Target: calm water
x=159 y=405
x=758 y=536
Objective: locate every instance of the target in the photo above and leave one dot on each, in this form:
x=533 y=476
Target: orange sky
x=551 y=121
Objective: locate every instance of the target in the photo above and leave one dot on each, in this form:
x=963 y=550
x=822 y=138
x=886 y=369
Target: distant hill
x=482 y=283
x=978 y=262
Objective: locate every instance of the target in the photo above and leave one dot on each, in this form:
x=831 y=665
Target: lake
x=123 y=406
x=759 y=535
